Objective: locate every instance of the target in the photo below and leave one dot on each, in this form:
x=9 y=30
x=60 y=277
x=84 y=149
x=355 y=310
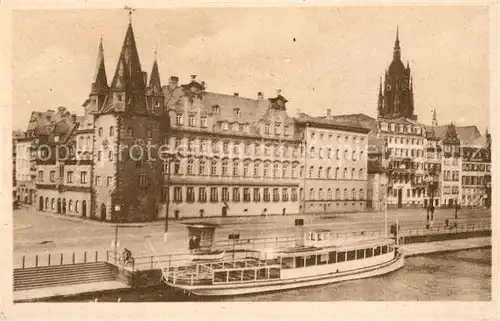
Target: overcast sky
x=329 y=57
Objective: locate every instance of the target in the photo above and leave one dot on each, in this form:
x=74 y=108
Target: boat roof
x=319 y=230
x=200 y=224
x=346 y=245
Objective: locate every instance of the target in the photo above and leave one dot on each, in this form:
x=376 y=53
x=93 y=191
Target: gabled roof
x=466 y=134
x=357 y=120
x=331 y=123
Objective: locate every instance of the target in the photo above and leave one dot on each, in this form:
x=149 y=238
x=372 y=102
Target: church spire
x=100 y=81
x=154 y=81
x=128 y=74
x=397 y=49
x=434 y=118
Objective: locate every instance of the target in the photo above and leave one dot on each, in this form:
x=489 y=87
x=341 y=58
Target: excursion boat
x=316 y=259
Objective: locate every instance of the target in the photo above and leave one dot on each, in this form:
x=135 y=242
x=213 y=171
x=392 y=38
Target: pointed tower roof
x=128 y=74
x=397 y=48
x=434 y=118
x=100 y=81
x=154 y=81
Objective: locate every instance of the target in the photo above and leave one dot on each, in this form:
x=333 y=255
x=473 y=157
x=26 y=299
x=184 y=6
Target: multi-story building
x=24 y=183
x=335 y=165
x=232 y=155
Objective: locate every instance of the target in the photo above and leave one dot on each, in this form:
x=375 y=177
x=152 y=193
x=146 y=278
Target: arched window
x=337 y=173
x=213 y=168
x=353 y=155
x=329 y=194
x=361 y=174
x=320 y=153
x=301 y=173
x=361 y=156
x=225 y=166
x=276 y=170
x=70 y=206
x=76 y=206
x=361 y=194
x=256 y=169
x=346 y=154
x=346 y=196
x=236 y=168
x=353 y=194
x=329 y=172
x=311 y=194
x=284 y=170
x=320 y=172
x=338 y=153
x=330 y=153
x=311 y=169
x=52 y=203
x=111 y=131
x=353 y=173
x=190 y=167
x=337 y=194
x=46 y=203
x=320 y=194
x=345 y=173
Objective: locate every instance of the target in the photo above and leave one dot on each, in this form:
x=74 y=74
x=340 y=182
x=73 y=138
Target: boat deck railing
x=208 y=273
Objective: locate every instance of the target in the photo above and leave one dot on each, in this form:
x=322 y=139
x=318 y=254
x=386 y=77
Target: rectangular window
x=225 y=194
x=109 y=180
x=340 y=256
x=83 y=177
x=201 y=168
x=214 y=195
x=190 y=194
x=203 y=122
x=97 y=180
x=178 y=194
x=276 y=195
x=294 y=194
x=267 y=196
x=191 y=121
x=143 y=181
x=246 y=194
x=277 y=128
x=179 y=119
x=376 y=251
x=202 y=194
x=52 y=176
x=236 y=194
x=245 y=169
x=213 y=168
x=284 y=196
x=285 y=130
x=40 y=176
x=256 y=194
x=70 y=177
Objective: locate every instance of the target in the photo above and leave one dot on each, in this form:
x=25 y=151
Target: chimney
x=174 y=82
x=328 y=112
x=193 y=77
x=260 y=95
x=299 y=232
x=236 y=94
x=203 y=84
x=61 y=109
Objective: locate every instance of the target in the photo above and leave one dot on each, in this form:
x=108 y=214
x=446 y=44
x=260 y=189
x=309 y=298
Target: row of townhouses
x=143 y=149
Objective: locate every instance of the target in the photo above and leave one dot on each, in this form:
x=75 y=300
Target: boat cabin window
x=384 y=249
x=390 y=248
x=249 y=275
x=220 y=276
x=360 y=254
x=235 y=275
x=369 y=252
x=351 y=255
x=332 y=257
x=340 y=256
x=377 y=251
x=320 y=236
x=322 y=259
x=274 y=273
x=312 y=237
x=299 y=261
x=311 y=260
x=262 y=274
x=287 y=262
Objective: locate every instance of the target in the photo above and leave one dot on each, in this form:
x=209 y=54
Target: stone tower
x=126 y=171
x=396 y=97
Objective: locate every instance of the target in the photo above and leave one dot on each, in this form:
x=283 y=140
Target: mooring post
x=61 y=259
x=36 y=260
x=96 y=255
x=73 y=259
x=85 y=257
x=48 y=260
x=24 y=259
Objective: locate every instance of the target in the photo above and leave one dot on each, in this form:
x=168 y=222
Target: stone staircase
x=60 y=275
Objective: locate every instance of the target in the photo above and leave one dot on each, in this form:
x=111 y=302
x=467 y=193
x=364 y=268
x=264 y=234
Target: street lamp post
x=117 y=211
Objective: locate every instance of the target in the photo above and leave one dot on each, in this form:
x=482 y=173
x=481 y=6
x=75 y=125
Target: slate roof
x=332 y=122
x=466 y=134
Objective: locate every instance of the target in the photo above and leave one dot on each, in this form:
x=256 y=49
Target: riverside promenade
x=414 y=249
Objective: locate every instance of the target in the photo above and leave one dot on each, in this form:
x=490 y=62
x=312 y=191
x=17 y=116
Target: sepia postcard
x=314 y=160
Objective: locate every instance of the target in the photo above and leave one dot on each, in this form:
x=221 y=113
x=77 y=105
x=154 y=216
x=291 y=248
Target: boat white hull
x=234 y=289
x=208 y=256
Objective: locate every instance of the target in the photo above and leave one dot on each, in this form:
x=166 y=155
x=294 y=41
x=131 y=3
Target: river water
x=464 y=275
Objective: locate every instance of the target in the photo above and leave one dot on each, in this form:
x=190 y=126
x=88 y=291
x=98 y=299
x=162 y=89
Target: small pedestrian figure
x=284 y=211
x=191 y=243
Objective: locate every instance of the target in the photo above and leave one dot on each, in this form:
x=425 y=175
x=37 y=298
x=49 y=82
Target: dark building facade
x=396 y=95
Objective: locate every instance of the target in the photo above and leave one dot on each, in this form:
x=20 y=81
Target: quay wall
x=443 y=237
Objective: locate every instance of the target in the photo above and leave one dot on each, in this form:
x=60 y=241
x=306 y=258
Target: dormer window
x=236 y=127
x=179 y=119
x=56 y=139
x=157 y=103
x=191 y=121
x=236 y=111
x=285 y=130
x=408 y=129
x=277 y=128
x=384 y=126
x=216 y=109
x=393 y=127
x=267 y=128
x=225 y=126
x=203 y=121
x=246 y=128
